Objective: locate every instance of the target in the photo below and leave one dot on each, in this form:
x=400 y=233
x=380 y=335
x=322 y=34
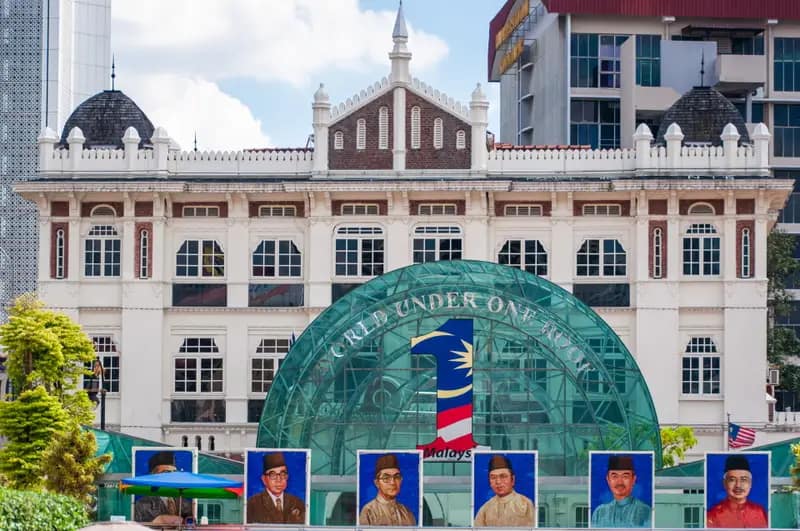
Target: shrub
x=40 y=511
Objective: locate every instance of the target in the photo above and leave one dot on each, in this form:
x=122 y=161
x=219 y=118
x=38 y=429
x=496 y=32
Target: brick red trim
x=143 y=209
x=428 y=157
x=657 y=207
x=59 y=208
x=718 y=204
x=55 y=227
x=86 y=208
x=177 y=208
x=299 y=207
x=745 y=206
x=138 y=229
x=657 y=224
x=383 y=205
x=500 y=206
x=413 y=205
x=625 y=206
x=740 y=226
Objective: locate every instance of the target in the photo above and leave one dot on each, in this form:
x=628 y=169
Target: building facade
x=56 y=53
x=192 y=271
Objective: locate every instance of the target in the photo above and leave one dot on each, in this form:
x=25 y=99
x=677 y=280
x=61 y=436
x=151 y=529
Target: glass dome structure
x=547 y=373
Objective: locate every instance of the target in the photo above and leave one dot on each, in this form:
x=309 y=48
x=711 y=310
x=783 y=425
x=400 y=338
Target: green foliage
x=782 y=343
x=44 y=348
x=71 y=465
x=40 y=511
x=28 y=423
x=675 y=442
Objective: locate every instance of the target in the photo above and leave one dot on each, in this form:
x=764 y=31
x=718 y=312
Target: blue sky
x=242 y=73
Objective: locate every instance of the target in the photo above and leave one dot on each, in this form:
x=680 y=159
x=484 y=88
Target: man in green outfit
x=624 y=510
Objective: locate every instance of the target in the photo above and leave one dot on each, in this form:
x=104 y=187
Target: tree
x=35 y=511
x=675 y=442
x=29 y=424
x=782 y=343
x=71 y=465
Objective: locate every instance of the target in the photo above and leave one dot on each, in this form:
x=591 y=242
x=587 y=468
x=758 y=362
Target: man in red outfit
x=736 y=510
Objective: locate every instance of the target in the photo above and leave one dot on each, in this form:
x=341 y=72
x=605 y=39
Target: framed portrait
x=389 y=488
x=277 y=486
x=159 y=460
x=621 y=489
x=737 y=489
x=508 y=476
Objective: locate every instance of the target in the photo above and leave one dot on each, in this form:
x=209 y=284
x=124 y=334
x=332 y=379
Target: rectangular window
x=603 y=295
x=787 y=128
x=286 y=211
x=437 y=209
x=440 y=243
x=275 y=295
x=197 y=411
x=528 y=255
x=601 y=258
x=701 y=372
x=599 y=209
x=144 y=254
x=756 y=111
x=648 y=60
x=276 y=258
x=787 y=64
x=581 y=516
x=105 y=349
x=595 y=123
x=747 y=45
x=212 y=511
x=359 y=256
x=198 y=375
x=701 y=254
x=359 y=209
x=522 y=210
x=200 y=211
x=269 y=354
x=255 y=406
x=583 y=59
x=791 y=212
x=693 y=517
x=200 y=295
x=610 y=59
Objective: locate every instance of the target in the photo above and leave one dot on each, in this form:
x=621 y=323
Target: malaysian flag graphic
x=451 y=343
x=739 y=437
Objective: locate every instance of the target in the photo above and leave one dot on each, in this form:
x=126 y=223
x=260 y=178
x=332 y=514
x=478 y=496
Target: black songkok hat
x=620 y=462
x=737 y=462
x=273 y=460
x=386 y=461
x=161 y=458
x=499 y=461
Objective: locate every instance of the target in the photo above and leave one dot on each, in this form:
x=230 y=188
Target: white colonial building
x=192 y=270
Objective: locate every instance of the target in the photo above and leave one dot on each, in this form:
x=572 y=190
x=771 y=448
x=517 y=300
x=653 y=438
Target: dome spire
x=400 y=31
x=400 y=56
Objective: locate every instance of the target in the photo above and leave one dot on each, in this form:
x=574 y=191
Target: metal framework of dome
x=104 y=117
x=702 y=114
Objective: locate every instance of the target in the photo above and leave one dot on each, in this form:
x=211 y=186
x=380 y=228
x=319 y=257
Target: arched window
x=701 y=253
x=361 y=134
x=144 y=254
x=102 y=252
x=528 y=255
x=746 y=254
x=198 y=442
x=658 y=253
x=438 y=134
x=103 y=210
x=338 y=140
x=60 y=253
x=701 y=209
x=461 y=139
x=276 y=258
x=185 y=441
x=383 y=128
x=200 y=258
x=211 y=443
x=601 y=258
x=359 y=251
x=415 y=127
x=701 y=373
x=432 y=243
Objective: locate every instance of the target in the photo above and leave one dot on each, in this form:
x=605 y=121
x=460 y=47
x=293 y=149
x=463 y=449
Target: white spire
x=400 y=31
x=400 y=55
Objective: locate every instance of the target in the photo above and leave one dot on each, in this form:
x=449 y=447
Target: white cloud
x=289 y=40
x=185 y=106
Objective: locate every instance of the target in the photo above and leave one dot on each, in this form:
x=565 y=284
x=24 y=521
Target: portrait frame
x=185 y=461
x=643 y=490
x=298 y=465
x=714 y=469
x=525 y=464
x=410 y=495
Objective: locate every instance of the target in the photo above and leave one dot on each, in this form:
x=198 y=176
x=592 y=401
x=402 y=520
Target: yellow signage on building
x=516 y=18
x=511 y=57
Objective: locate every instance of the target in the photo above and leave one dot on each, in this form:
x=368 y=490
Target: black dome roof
x=104 y=117
x=702 y=114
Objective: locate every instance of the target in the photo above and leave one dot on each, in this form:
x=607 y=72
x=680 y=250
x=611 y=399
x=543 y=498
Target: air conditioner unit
x=774 y=376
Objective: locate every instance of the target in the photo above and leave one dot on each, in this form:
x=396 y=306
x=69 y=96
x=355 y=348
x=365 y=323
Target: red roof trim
x=494 y=26
x=762 y=9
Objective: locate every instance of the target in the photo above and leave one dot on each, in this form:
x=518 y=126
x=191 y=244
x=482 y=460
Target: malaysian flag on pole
x=739 y=437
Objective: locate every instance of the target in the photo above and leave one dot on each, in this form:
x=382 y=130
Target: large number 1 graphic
x=452 y=345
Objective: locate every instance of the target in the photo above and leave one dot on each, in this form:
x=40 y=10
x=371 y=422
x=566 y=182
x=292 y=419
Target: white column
x=399 y=130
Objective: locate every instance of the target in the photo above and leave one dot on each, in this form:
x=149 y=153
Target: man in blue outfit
x=624 y=510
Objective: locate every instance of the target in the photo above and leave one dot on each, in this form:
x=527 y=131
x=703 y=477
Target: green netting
x=549 y=373
x=781 y=461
